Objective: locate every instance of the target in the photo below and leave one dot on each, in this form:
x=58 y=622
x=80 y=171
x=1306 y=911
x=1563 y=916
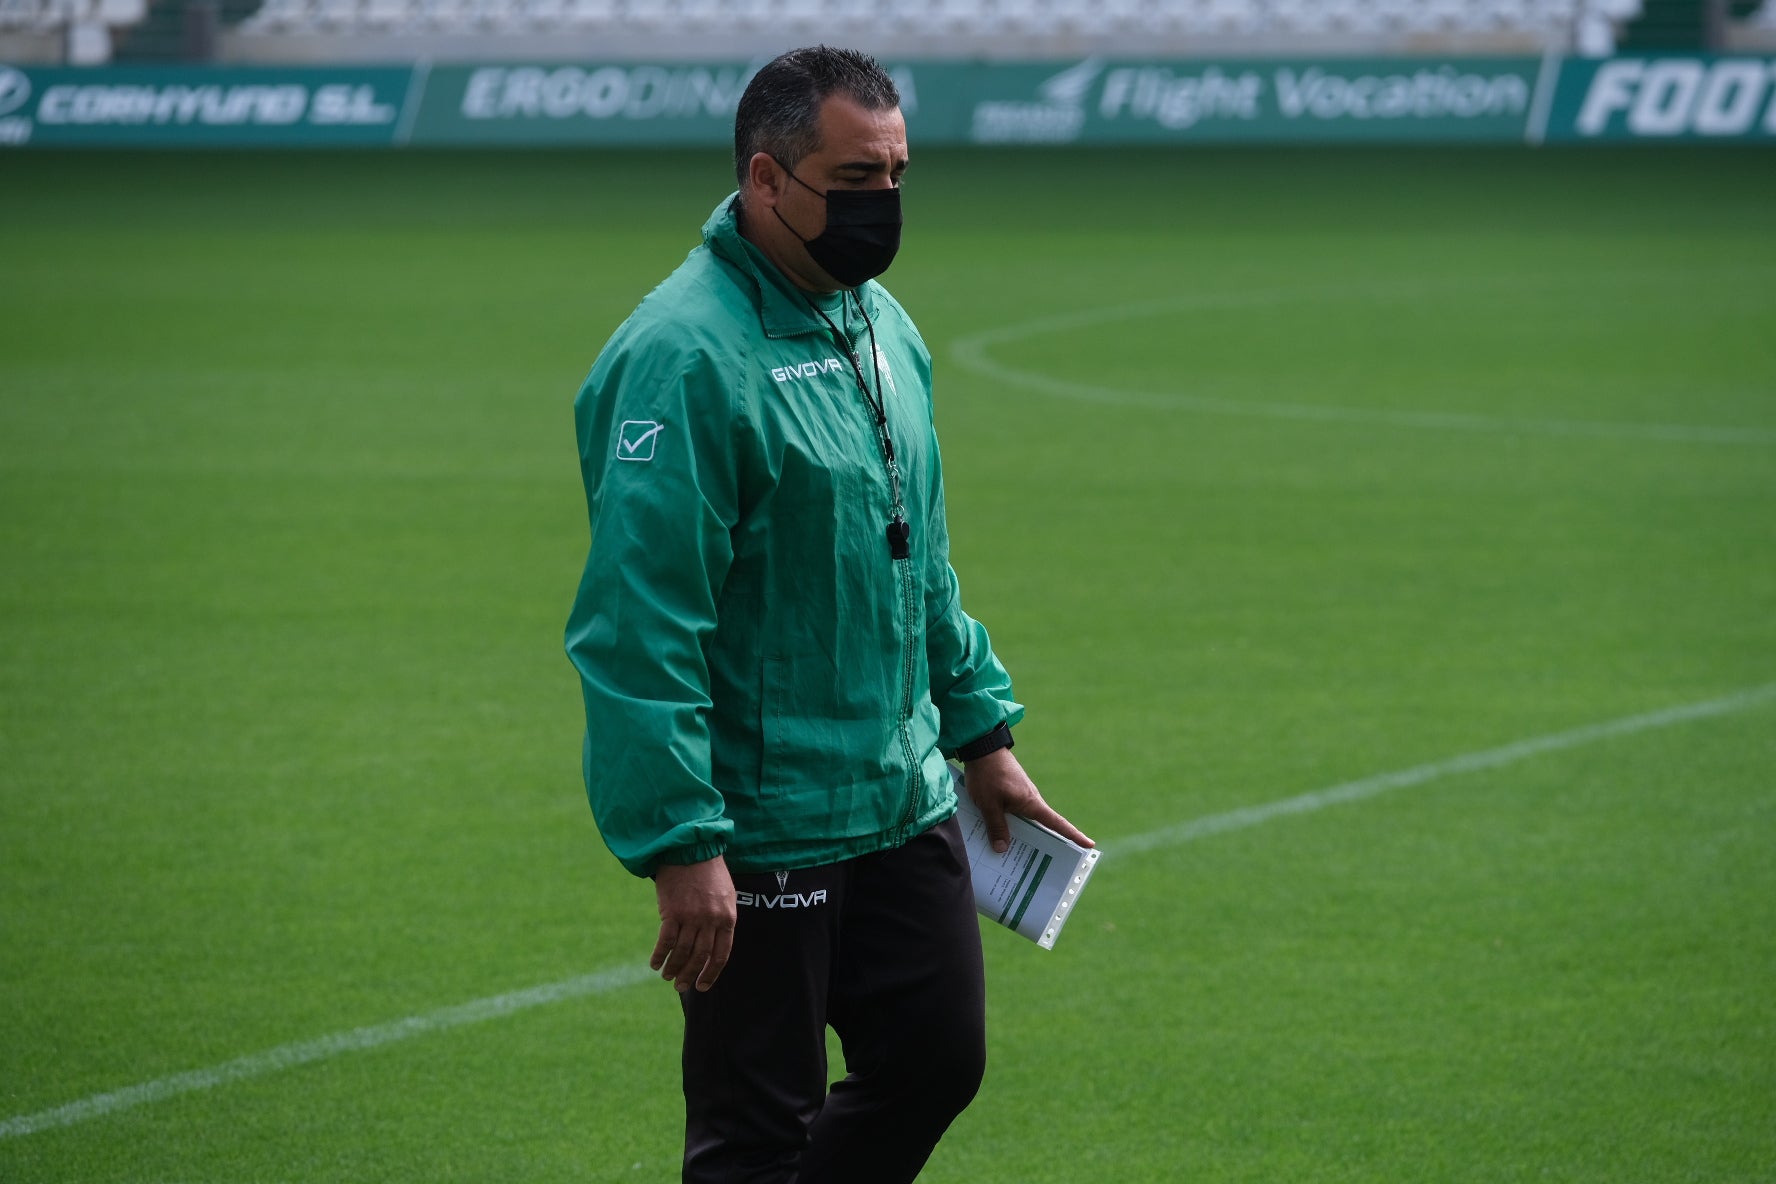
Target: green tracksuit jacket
x=762 y=680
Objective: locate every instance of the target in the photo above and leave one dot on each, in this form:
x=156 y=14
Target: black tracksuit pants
x=886 y=949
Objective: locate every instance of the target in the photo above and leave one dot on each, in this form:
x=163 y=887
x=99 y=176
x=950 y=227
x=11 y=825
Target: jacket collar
x=783 y=307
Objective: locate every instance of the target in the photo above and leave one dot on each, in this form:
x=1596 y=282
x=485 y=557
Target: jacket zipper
x=909 y=667
x=909 y=607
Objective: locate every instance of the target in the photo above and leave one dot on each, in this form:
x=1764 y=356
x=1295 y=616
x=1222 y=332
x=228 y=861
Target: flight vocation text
x=1179 y=101
x=1183 y=100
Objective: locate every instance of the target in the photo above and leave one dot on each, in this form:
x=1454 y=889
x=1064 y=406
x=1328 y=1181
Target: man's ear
x=764 y=174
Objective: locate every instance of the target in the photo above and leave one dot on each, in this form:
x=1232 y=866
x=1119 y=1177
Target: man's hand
x=999 y=786
x=696 y=922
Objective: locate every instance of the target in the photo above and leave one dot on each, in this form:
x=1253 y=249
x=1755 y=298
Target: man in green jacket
x=775 y=661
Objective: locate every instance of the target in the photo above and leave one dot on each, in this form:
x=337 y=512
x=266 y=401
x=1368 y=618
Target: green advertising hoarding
x=222 y=106
x=1250 y=101
x=1087 y=100
x=1080 y=101
x=1695 y=97
x=615 y=103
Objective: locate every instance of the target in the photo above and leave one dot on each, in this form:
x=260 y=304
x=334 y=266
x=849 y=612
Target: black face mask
x=862 y=231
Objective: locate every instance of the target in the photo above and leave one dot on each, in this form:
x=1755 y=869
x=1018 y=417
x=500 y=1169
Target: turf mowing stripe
x=970 y=352
x=288 y=1056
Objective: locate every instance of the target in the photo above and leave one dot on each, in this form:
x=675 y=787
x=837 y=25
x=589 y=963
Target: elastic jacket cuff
x=681 y=856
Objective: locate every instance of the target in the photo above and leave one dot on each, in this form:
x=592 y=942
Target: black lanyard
x=898 y=531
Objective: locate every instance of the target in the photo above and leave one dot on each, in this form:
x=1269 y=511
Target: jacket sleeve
x=655 y=428
x=969 y=686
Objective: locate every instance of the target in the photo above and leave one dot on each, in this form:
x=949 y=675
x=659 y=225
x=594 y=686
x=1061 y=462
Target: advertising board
x=1088 y=100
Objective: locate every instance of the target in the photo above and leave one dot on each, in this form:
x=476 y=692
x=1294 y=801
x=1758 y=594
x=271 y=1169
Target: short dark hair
x=780 y=111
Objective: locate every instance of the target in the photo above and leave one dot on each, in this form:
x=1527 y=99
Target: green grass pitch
x=1270 y=471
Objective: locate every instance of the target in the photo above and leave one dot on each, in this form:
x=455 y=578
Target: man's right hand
x=697 y=915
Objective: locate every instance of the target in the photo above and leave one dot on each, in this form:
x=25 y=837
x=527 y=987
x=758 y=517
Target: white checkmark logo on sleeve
x=633 y=446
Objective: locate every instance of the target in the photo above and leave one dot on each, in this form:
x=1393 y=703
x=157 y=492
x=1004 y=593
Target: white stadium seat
x=336 y=15
x=1027 y=18
x=801 y=16
x=589 y=13
x=386 y=14
x=751 y=14
x=698 y=15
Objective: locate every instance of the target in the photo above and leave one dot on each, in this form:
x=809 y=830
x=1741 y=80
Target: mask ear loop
x=804 y=185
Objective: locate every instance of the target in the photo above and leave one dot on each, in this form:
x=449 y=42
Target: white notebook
x=1032 y=886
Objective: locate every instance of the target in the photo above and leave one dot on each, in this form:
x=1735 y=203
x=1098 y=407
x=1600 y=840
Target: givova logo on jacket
x=806 y=369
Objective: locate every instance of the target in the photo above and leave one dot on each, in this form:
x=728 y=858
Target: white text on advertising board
x=1179 y=100
x=15 y=89
x=1682 y=96
x=15 y=92
x=255 y=104
x=609 y=92
x=1443 y=93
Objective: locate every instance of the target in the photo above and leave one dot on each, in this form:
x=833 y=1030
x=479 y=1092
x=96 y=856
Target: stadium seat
x=701 y=15
x=1025 y=17
x=1404 y=15
x=84 y=27
x=540 y=14
x=1225 y=17
x=748 y=14
x=589 y=12
x=22 y=14
x=1598 y=23
x=801 y=16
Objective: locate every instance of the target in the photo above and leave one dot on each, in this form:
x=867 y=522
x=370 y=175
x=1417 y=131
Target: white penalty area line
x=604 y=982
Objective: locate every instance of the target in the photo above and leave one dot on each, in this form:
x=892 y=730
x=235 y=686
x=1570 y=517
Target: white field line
x=289 y=1056
x=1491 y=758
x=971 y=352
